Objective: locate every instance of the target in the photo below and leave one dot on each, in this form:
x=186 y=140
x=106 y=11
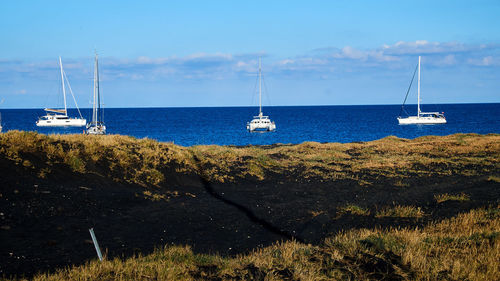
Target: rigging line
x=408 y=91
x=266 y=91
x=51 y=96
x=102 y=113
x=254 y=92
x=71 y=91
x=101 y=103
x=98 y=92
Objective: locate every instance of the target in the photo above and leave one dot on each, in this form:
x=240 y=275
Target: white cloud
x=447 y=60
x=484 y=61
x=286 y=61
x=350 y=53
x=241 y=64
x=320 y=62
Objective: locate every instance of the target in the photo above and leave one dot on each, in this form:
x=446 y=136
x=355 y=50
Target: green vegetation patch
x=353 y=210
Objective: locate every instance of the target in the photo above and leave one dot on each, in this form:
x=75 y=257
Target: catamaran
x=96 y=127
x=260 y=122
x=59 y=117
x=422 y=117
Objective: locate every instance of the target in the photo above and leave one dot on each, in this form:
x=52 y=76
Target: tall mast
x=418 y=99
x=63 y=88
x=98 y=90
x=260 y=89
x=94 y=108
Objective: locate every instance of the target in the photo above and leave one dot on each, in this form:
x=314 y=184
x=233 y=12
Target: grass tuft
x=462 y=197
x=400 y=212
x=353 y=210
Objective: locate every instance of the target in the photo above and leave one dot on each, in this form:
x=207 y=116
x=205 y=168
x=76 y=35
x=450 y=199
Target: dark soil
x=44 y=223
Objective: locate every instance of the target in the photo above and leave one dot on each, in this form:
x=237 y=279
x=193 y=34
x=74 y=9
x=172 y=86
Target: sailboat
x=260 y=122
x=59 y=117
x=422 y=117
x=96 y=127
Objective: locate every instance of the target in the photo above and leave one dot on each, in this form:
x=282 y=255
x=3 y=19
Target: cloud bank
x=219 y=66
x=454 y=72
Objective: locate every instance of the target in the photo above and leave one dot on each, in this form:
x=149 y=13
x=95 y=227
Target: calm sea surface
x=295 y=124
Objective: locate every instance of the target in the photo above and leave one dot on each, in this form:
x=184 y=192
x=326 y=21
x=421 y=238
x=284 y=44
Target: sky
x=205 y=53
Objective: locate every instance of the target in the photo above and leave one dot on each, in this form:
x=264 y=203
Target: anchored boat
x=59 y=117
x=96 y=127
x=260 y=122
x=422 y=117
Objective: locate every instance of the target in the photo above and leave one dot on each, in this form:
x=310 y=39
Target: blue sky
x=205 y=53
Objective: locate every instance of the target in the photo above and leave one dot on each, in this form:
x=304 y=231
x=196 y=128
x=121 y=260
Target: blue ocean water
x=295 y=124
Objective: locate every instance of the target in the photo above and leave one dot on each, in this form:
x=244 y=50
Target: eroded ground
x=225 y=200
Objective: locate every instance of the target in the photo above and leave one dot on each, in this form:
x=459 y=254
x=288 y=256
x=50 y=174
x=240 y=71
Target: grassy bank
x=466 y=247
x=424 y=209
x=150 y=163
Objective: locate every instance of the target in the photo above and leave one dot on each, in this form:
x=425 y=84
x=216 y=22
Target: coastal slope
x=140 y=195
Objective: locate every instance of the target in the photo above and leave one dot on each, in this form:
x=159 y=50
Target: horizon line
x=251 y=106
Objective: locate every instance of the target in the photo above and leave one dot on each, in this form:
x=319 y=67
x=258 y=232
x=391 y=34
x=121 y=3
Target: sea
x=295 y=124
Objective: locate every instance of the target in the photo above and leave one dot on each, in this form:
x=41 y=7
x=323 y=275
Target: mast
x=96 y=89
x=63 y=88
x=260 y=90
x=418 y=99
x=99 y=111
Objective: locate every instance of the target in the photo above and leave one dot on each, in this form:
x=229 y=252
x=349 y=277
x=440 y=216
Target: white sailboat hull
x=261 y=123
x=96 y=130
x=410 y=120
x=261 y=127
x=60 y=121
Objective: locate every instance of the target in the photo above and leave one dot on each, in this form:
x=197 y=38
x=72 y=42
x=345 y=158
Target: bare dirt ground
x=44 y=223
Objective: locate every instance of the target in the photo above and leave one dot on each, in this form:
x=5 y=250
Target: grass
x=466 y=247
x=150 y=163
x=494 y=178
x=144 y=162
x=353 y=210
x=462 y=197
x=400 y=212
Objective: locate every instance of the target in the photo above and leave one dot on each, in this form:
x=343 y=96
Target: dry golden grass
x=123 y=158
x=151 y=163
x=462 y=248
x=466 y=247
x=440 y=198
x=400 y=212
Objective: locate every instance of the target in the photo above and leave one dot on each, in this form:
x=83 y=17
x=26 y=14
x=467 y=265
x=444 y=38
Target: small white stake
x=98 y=250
